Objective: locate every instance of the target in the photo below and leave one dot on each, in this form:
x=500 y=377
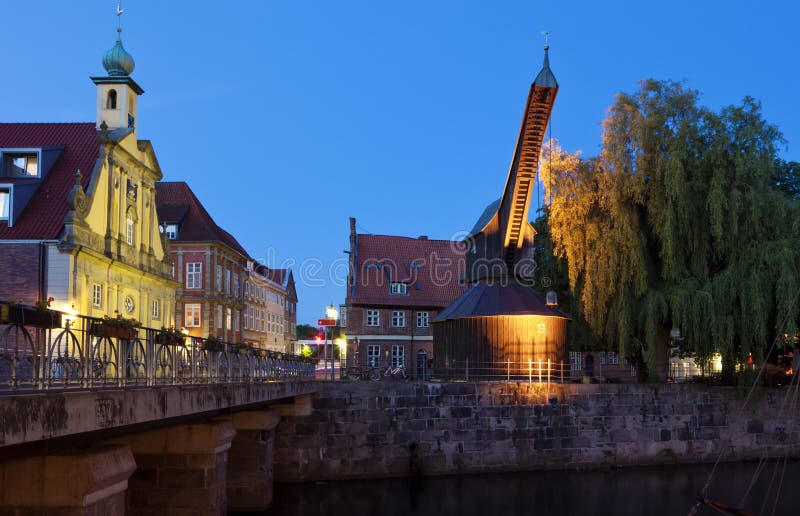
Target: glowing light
x=716 y=362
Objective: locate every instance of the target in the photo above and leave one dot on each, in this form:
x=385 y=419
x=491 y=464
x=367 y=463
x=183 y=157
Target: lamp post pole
x=330 y=313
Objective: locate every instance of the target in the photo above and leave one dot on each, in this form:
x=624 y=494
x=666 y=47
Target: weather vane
x=546 y=34
x=119 y=16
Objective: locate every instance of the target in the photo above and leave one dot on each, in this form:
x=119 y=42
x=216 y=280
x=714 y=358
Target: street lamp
x=330 y=313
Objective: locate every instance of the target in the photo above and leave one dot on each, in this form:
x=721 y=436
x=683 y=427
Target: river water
x=665 y=490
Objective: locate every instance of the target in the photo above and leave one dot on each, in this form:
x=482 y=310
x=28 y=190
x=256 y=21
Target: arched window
x=111 y=100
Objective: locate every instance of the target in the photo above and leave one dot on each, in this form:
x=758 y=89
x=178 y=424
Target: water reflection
x=652 y=491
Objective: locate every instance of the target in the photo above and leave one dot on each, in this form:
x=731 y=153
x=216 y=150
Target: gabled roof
x=43 y=216
x=511 y=298
x=433 y=280
x=177 y=204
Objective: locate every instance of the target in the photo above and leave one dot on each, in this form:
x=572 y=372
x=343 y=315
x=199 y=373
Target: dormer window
x=21 y=164
x=111 y=100
x=399 y=289
x=171 y=231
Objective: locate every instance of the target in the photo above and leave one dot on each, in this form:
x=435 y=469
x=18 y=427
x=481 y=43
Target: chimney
x=422 y=237
x=351 y=276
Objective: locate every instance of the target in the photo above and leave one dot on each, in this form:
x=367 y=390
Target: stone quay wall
x=365 y=429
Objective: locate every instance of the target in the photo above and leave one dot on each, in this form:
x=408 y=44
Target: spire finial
x=546 y=34
x=119 y=20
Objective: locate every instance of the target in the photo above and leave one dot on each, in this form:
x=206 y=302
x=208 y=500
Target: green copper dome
x=117 y=61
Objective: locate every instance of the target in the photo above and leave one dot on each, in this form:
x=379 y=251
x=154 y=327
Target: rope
x=750 y=394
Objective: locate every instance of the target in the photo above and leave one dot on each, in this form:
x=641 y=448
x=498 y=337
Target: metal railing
x=46 y=353
x=533 y=370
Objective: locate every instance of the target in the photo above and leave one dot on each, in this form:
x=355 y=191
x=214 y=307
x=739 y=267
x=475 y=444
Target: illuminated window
x=398 y=355
x=228 y=318
x=423 y=320
x=194 y=271
x=400 y=289
x=21 y=164
x=192 y=316
x=398 y=319
x=5 y=203
x=97 y=295
x=540 y=328
x=374 y=355
x=373 y=318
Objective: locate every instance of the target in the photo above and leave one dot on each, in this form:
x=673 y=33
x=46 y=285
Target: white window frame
x=399 y=289
x=171 y=231
x=398 y=319
x=191 y=314
x=575 y=361
x=8 y=190
x=97 y=295
x=227 y=281
x=218 y=278
x=541 y=329
x=612 y=357
x=373 y=355
x=156 y=309
x=373 y=318
x=235 y=285
x=194 y=275
x=228 y=319
x=398 y=355
x=218 y=317
x=4 y=155
x=423 y=320
x=129 y=230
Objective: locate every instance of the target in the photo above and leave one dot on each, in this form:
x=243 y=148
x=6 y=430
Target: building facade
x=208 y=264
x=396 y=286
x=78 y=221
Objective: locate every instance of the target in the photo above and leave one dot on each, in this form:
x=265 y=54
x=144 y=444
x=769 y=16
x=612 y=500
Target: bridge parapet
x=42 y=349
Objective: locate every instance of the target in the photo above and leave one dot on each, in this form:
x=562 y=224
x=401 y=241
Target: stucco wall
x=364 y=429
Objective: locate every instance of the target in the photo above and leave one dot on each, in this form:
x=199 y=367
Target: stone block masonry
x=365 y=429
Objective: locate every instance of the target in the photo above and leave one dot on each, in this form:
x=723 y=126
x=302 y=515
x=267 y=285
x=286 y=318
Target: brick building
x=270 y=317
x=396 y=286
x=208 y=264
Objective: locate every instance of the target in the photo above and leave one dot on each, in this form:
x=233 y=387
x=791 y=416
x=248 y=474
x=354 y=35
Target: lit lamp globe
x=331 y=313
x=551 y=298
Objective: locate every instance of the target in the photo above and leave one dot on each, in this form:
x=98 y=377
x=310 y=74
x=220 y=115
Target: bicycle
x=397 y=373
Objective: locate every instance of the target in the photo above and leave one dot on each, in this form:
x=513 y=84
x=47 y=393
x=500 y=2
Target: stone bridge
x=138 y=424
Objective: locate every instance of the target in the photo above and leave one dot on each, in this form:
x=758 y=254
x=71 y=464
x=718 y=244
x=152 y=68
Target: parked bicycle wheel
x=375 y=374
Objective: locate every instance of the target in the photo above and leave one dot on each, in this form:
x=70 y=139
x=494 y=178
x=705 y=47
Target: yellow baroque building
x=78 y=216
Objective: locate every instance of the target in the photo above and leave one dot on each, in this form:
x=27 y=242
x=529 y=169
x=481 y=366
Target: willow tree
x=678 y=224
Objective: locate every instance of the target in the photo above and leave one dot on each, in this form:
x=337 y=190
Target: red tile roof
x=43 y=217
x=433 y=280
x=176 y=203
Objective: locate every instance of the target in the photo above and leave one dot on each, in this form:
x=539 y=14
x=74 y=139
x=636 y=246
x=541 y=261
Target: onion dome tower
x=117 y=92
x=500 y=319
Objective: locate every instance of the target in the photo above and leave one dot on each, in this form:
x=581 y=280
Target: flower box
x=111 y=331
x=29 y=316
x=169 y=340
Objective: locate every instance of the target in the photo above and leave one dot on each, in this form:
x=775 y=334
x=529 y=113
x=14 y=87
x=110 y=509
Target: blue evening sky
x=288 y=117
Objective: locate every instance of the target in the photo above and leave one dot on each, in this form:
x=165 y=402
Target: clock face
x=130 y=306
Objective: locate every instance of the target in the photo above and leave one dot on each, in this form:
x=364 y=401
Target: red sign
x=326 y=322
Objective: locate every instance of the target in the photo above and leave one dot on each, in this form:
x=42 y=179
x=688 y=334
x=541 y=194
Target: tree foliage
x=679 y=223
